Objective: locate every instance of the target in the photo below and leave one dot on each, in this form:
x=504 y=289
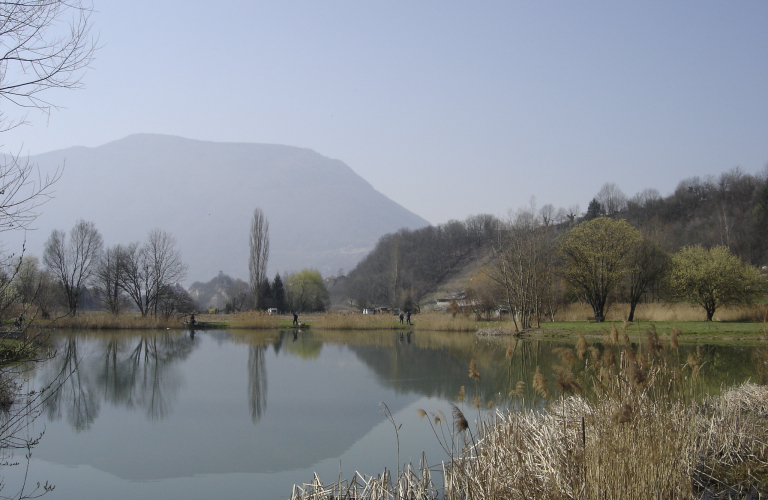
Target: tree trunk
x=631 y=317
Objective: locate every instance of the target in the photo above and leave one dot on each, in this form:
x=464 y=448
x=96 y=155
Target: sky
x=449 y=108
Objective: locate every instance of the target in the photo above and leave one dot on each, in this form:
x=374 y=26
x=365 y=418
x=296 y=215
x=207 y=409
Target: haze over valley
x=321 y=213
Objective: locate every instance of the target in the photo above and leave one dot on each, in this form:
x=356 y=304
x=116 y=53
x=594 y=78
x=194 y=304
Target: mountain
x=321 y=213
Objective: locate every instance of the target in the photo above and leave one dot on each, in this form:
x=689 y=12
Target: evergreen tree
x=264 y=296
x=278 y=294
x=594 y=210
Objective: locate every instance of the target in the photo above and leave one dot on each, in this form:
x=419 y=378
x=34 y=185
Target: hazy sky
x=448 y=108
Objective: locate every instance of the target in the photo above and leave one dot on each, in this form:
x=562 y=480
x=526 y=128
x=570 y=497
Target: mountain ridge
x=321 y=213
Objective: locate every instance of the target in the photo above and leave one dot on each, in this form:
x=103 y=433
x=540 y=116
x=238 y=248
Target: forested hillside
x=730 y=210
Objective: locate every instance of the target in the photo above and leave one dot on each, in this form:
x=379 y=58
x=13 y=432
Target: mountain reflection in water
x=161 y=406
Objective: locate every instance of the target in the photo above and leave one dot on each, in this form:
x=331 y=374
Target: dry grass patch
x=107 y=321
x=256 y=320
x=666 y=312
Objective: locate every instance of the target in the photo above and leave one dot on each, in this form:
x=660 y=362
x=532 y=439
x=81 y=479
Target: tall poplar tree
x=259 y=253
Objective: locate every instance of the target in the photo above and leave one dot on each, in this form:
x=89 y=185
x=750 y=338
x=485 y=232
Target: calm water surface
x=249 y=414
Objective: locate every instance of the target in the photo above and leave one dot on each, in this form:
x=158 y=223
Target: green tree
x=594 y=254
x=713 y=278
x=306 y=291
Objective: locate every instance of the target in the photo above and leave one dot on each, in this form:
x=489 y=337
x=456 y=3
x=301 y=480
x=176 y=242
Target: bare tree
x=133 y=276
x=259 y=252
x=646 y=266
x=27 y=280
x=524 y=267
x=149 y=269
x=163 y=263
x=44 y=44
x=175 y=300
x=108 y=277
x=611 y=198
x=238 y=294
x=572 y=213
x=73 y=262
x=547 y=213
x=22 y=191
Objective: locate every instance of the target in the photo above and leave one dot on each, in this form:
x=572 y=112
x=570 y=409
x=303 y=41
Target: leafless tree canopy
x=22 y=191
x=109 y=277
x=73 y=262
x=611 y=198
x=524 y=267
x=147 y=271
x=259 y=249
x=43 y=44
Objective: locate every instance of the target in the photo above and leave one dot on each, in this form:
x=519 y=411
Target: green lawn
x=691 y=330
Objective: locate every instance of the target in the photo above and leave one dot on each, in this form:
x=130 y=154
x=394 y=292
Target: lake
x=247 y=414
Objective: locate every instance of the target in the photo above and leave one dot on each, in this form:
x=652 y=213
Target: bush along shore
x=620 y=421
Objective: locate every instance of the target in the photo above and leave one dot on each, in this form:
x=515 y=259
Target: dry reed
x=643 y=432
x=106 y=321
x=411 y=484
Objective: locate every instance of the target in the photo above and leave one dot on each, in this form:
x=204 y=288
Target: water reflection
x=129 y=371
x=77 y=394
x=145 y=371
x=257 y=381
x=206 y=398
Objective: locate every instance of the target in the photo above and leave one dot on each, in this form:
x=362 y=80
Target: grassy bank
x=624 y=421
x=729 y=322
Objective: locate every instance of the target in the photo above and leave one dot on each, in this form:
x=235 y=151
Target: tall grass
x=106 y=321
x=665 y=312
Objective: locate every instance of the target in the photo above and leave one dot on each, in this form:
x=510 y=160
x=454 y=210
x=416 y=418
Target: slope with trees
x=409 y=264
x=629 y=263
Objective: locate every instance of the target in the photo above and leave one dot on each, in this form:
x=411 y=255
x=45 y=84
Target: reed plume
x=462 y=395
x=566 y=355
x=614 y=334
x=540 y=383
x=473 y=373
x=519 y=389
x=581 y=346
x=673 y=341
x=460 y=423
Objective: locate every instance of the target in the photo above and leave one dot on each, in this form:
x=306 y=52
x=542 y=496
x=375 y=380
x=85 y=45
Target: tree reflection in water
x=257 y=382
x=134 y=372
x=77 y=393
